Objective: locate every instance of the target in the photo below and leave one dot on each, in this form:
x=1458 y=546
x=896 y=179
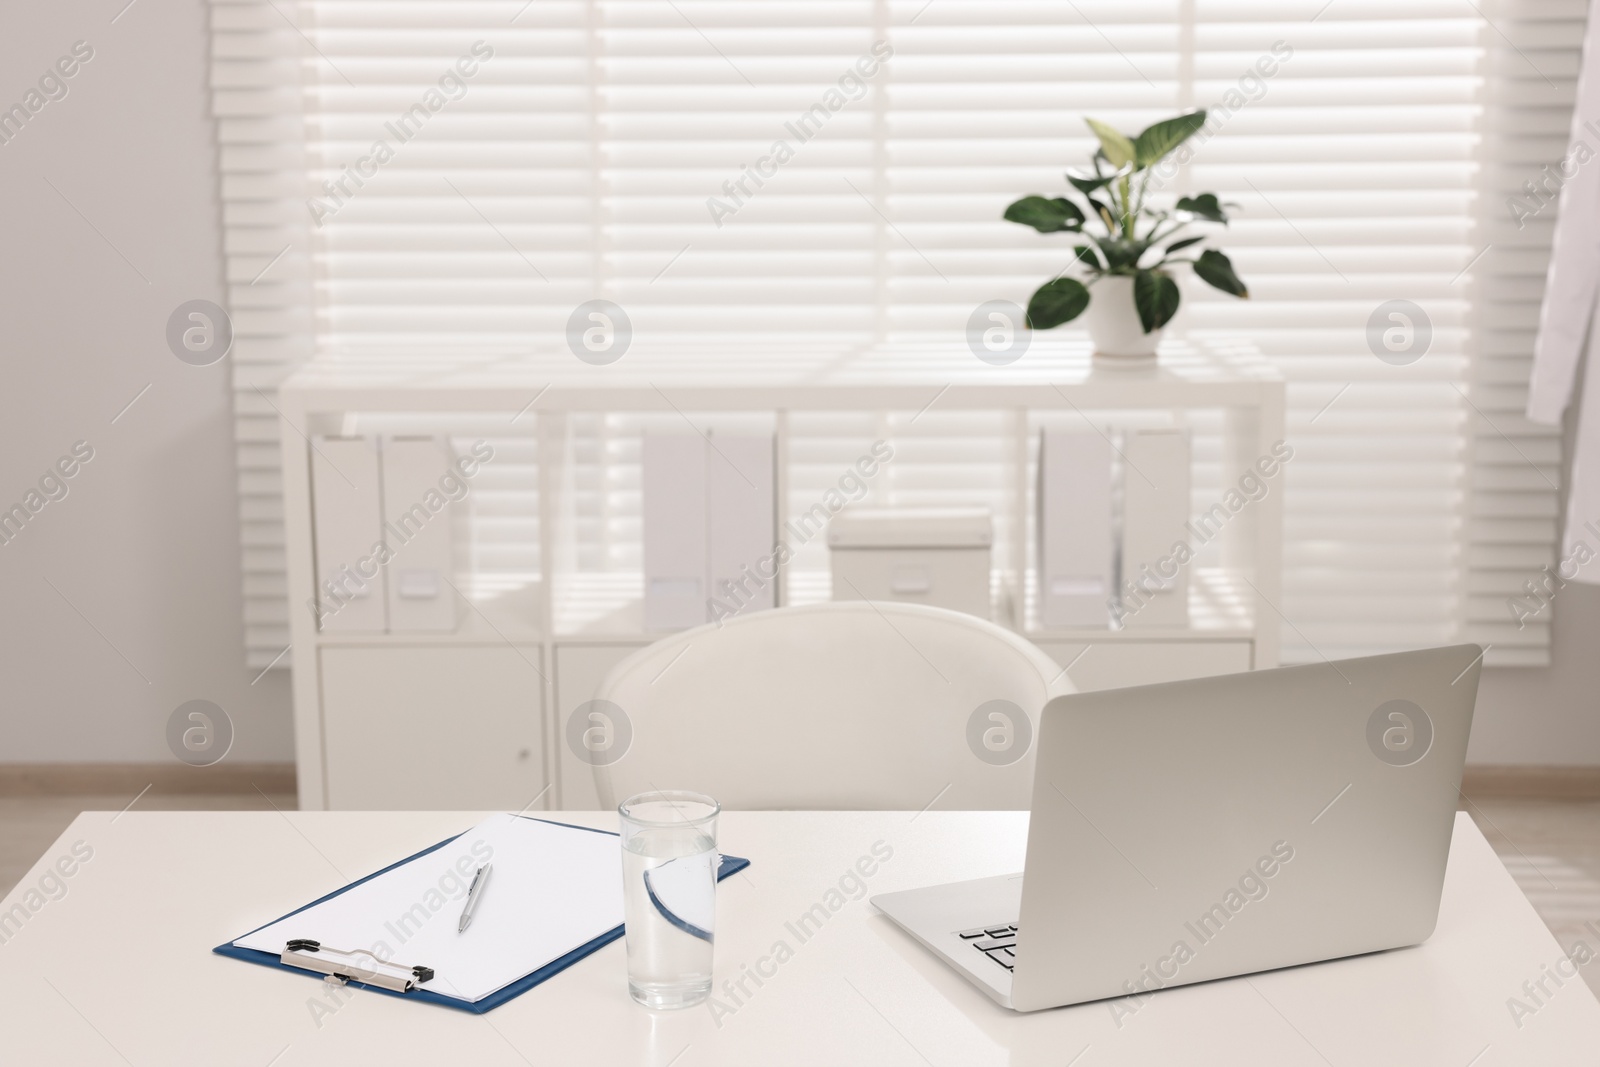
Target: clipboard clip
x=359 y=965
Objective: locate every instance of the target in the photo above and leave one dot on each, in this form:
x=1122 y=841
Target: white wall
x=145 y=544
x=1547 y=715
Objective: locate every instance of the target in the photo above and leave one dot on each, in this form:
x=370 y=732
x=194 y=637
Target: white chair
x=843 y=705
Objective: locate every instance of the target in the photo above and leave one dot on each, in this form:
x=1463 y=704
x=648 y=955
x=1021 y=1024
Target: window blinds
x=421 y=177
x=1532 y=66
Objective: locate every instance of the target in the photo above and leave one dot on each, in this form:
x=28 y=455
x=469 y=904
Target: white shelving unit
x=473 y=718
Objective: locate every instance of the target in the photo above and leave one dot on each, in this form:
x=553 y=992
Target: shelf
x=1055 y=373
x=562 y=495
x=601 y=605
x=1220 y=602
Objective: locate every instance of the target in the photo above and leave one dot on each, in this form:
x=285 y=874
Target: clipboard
x=409 y=978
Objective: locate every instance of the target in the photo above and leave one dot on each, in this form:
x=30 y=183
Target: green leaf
x=1205 y=205
x=1046 y=216
x=1119 y=253
x=1215 y=270
x=1155 y=296
x=1118 y=149
x=1087 y=256
x=1185 y=243
x=1087 y=185
x=1055 y=302
x=1157 y=140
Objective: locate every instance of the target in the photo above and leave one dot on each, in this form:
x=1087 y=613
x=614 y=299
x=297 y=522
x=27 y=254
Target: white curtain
x=1568 y=319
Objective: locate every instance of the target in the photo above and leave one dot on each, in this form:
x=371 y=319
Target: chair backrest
x=841 y=705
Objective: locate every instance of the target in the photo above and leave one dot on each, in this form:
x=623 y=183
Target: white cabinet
x=1111 y=665
x=456 y=727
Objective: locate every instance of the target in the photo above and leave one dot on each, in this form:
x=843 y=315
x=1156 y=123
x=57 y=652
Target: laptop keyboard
x=999 y=943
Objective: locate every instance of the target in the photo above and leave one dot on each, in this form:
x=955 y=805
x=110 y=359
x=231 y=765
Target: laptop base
x=938 y=915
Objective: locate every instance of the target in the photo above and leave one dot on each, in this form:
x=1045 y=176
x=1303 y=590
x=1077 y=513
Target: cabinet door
x=456 y=727
x=579 y=671
x=1114 y=664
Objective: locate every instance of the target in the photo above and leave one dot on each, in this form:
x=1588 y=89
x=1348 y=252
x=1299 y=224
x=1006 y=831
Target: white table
x=119 y=970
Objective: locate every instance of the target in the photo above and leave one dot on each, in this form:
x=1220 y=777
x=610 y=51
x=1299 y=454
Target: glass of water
x=669 y=892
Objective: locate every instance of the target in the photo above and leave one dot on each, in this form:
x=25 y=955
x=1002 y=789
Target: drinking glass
x=669 y=893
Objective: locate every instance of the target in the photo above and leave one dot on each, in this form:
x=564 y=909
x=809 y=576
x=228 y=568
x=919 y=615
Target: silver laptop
x=1197 y=830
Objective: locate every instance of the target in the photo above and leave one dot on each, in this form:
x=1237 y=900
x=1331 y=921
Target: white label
x=911 y=579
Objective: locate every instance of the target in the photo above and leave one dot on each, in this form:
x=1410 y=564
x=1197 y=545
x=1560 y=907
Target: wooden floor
x=1551 y=847
x=30 y=824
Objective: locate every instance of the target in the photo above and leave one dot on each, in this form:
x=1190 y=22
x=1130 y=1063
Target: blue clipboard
x=730 y=865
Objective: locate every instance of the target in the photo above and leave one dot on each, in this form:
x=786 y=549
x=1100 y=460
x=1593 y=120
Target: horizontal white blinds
x=1351 y=150
x=681 y=159
x=1516 y=467
x=256 y=71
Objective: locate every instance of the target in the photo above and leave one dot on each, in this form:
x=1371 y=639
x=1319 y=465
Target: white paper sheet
x=551 y=889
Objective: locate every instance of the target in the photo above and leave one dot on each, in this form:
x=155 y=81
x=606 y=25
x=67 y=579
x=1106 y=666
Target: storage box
x=673 y=508
x=1155 y=511
x=709 y=510
x=1076 y=560
x=418 y=526
x=349 y=524
x=935 y=556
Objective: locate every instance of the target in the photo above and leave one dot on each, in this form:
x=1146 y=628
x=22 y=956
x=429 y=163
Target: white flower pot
x=1114 y=322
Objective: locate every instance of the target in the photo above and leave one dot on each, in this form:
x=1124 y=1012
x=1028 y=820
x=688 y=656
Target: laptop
x=1203 y=829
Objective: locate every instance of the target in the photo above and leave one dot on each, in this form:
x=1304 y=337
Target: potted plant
x=1128 y=267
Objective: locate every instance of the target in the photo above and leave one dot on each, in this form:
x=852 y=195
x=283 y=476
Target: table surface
x=114 y=964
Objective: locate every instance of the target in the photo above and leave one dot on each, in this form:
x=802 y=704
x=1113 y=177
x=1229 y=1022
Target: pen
x=472 y=897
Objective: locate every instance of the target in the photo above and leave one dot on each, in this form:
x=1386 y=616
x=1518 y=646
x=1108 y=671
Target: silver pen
x=472 y=897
